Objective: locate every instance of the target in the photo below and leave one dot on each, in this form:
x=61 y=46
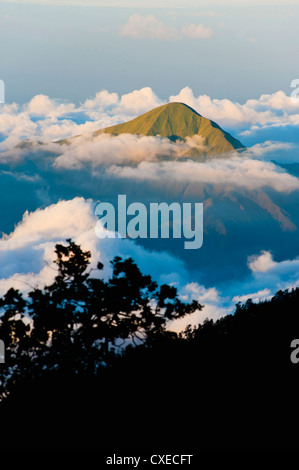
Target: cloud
x=259 y=296
x=267 y=147
x=138 y=102
x=262 y=263
x=196 y=32
x=47 y=120
x=138 y=158
x=27 y=254
x=106 y=151
x=117 y=109
x=42 y=105
x=44 y=119
x=238 y=171
x=147 y=27
x=266 y=277
x=261 y=111
x=102 y=100
x=268 y=110
x=223 y=111
x=215 y=306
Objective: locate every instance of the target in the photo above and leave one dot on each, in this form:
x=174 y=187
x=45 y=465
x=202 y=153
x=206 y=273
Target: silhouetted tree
x=75 y=323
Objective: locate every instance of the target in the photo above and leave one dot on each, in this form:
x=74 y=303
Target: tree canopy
x=80 y=321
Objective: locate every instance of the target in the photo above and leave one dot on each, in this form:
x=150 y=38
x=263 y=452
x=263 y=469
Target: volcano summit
x=178 y=122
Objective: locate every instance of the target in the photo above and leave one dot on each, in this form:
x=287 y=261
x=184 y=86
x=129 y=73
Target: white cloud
x=42 y=105
x=209 y=311
x=142 y=157
x=244 y=172
x=138 y=102
x=267 y=147
x=278 y=100
x=268 y=110
x=196 y=32
x=150 y=27
x=224 y=111
x=102 y=100
x=264 y=294
x=262 y=263
x=111 y=153
x=27 y=254
x=195 y=291
x=267 y=277
x=147 y=27
x=106 y=151
x=47 y=120
x=215 y=306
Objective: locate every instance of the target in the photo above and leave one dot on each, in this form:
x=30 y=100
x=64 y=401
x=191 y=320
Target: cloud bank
x=147 y=27
x=27 y=255
x=237 y=171
x=46 y=119
x=150 y=27
x=107 y=151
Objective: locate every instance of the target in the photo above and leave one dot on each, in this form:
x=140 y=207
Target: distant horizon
x=155 y=3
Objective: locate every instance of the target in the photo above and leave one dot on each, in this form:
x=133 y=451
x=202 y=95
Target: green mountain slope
x=177 y=121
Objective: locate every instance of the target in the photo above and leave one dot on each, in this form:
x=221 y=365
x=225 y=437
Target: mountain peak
x=178 y=121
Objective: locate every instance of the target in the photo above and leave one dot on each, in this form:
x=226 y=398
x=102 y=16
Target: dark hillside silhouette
x=66 y=384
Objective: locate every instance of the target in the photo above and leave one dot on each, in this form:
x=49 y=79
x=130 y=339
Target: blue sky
x=70 y=52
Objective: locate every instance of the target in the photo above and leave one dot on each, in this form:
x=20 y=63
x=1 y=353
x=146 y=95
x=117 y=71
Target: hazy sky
x=216 y=48
x=155 y=3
